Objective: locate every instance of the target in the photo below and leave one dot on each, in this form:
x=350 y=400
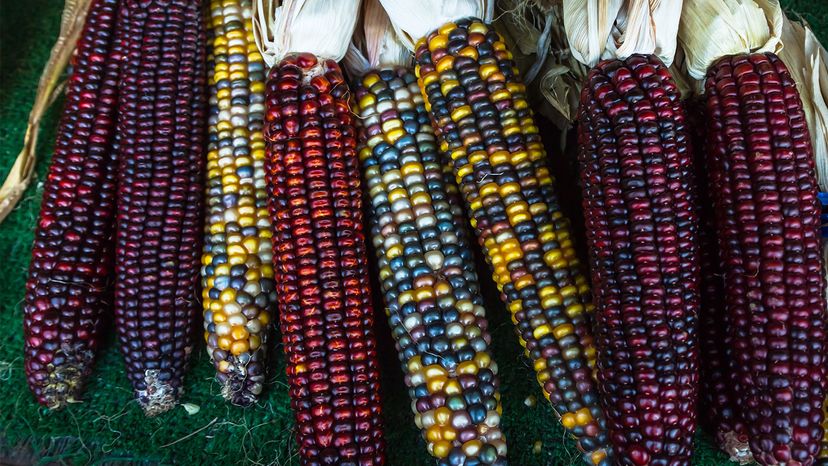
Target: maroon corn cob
x=161 y=127
x=67 y=292
x=320 y=263
x=764 y=190
x=719 y=406
x=641 y=222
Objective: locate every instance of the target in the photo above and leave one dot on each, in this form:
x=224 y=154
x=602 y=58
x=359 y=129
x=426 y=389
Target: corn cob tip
x=244 y=384
x=65 y=376
x=159 y=395
x=736 y=446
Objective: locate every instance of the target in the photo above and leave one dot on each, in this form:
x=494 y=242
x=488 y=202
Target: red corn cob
x=161 y=126
x=641 y=222
x=764 y=189
x=320 y=263
x=719 y=405
x=67 y=291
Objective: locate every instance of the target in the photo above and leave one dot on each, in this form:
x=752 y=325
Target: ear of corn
x=764 y=190
x=426 y=269
x=719 y=406
x=237 y=274
x=320 y=263
x=160 y=192
x=483 y=122
x=67 y=292
x=641 y=222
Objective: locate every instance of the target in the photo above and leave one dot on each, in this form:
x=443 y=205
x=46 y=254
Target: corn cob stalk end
x=158 y=397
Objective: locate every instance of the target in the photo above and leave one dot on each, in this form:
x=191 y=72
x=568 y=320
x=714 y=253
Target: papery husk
x=375 y=44
x=320 y=27
x=607 y=29
x=711 y=29
x=687 y=86
x=415 y=19
x=48 y=89
x=806 y=61
x=560 y=75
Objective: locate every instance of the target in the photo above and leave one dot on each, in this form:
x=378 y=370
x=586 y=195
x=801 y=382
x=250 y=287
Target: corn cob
x=161 y=126
x=483 y=122
x=237 y=275
x=426 y=268
x=764 y=189
x=67 y=292
x=636 y=172
x=719 y=405
x=320 y=263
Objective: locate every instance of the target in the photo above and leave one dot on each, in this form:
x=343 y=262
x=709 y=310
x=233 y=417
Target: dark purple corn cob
x=320 y=263
x=718 y=401
x=68 y=290
x=161 y=127
x=641 y=222
x=761 y=168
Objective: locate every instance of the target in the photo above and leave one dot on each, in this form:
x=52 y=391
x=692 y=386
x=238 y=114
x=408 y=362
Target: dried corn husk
x=320 y=27
x=48 y=89
x=688 y=86
x=806 y=60
x=602 y=29
x=375 y=44
x=414 y=19
x=711 y=29
x=536 y=29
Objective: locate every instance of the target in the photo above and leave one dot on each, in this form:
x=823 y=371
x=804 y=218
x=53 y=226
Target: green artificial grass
x=108 y=427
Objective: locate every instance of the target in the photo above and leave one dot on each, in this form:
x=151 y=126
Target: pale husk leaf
x=619 y=28
x=375 y=44
x=415 y=19
x=588 y=25
x=711 y=29
x=805 y=59
x=320 y=27
x=687 y=86
x=48 y=89
x=561 y=75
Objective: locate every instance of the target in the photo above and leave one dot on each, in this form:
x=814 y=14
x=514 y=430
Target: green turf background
x=109 y=428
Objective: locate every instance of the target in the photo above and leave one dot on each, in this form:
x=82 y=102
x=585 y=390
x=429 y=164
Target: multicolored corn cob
x=641 y=221
x=67 y=292
x=764 y=190
x=320 y=263
x=435 y=308
x=160 y=194
x=485 y=126
x=718 y=401
x=237 y=272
